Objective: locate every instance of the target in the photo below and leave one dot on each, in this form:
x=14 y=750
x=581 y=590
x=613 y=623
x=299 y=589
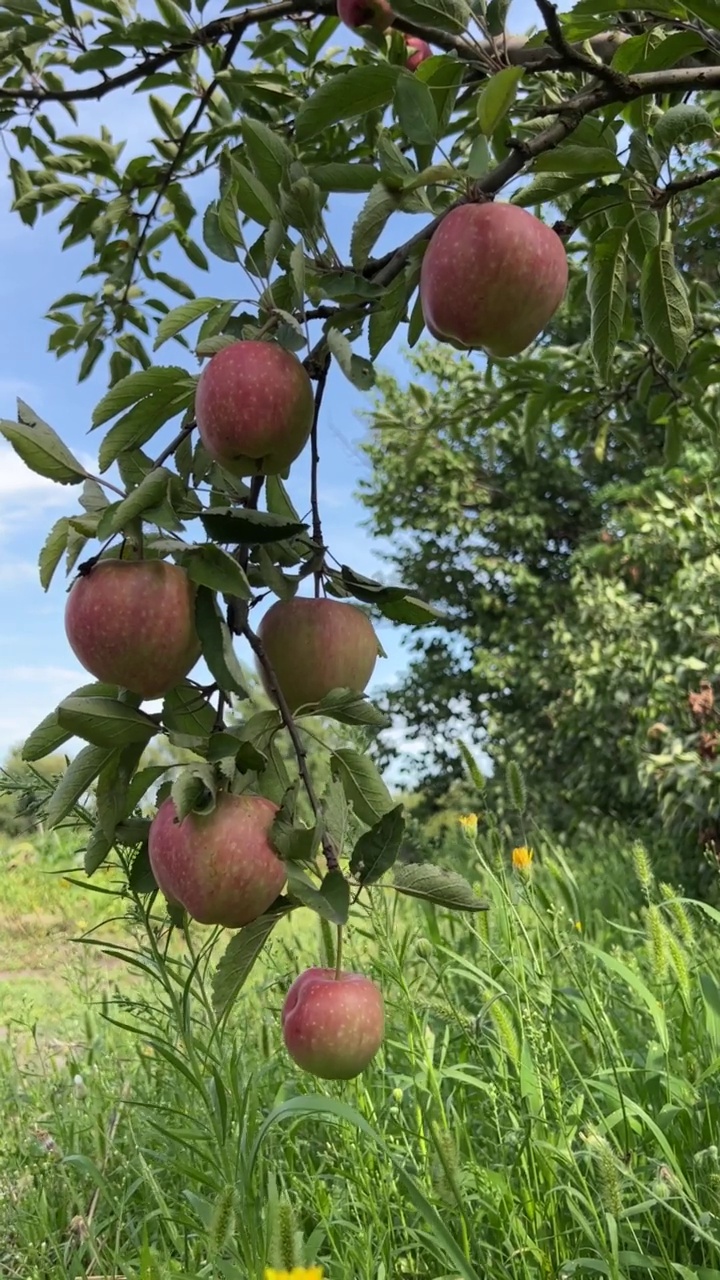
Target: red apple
x=254 y=408
x=333 y=1026
x=317 y=645
x=219 y=866
x=132 y=623
x=365 y=13
x=419 y=51
x=492 y=277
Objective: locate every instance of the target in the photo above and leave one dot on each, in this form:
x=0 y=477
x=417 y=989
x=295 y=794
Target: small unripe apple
x=492 y=277
x=132 y=623
x=220 y=866
x=333 y=1025
x=419 y=50
x=254 y=408
x=314 y=646
x=365 y=13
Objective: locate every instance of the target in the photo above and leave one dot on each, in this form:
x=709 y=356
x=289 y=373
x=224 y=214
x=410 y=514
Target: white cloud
x=44 y=675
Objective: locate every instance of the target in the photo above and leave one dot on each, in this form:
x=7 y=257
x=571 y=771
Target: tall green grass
x=546 y=1104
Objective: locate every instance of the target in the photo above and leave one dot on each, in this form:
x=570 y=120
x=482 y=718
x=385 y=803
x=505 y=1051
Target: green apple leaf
x=229 y=744
x=97 y=849
x=50 y=734
x=363 y=786
x=106 y=722
x=377 y=849
x=249 y=528
x=40 y=448
x=453 y=16
x=111 y=794
x=684 y=123
x=52 y=551
x=194 y=790
x=666 y=314
x=138 y=386
x=294 y=841
x=354 y=92
x=151 y=490
x=141 y=423
x=211 y=566
x=181 y=317
x=240 y=955
x=336 y=814
x=435 y=884
x=334 y=908
x=141 y=879
x=497 y=97
x=357 y=369
x=187 y=711
x=217 y=644
x=348 y=707
x=607 y=290
x=369 y=223
x=415 y=109
x=80 y=773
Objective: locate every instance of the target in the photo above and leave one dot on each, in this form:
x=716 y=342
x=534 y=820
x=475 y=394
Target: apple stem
x=317 y=532
x=338 y=953
x=331 y=860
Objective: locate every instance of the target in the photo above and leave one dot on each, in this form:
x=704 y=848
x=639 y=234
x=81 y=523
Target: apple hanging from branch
x=221 y=866
x=365 y=13
x=333 y=1024
x=315 y=645
x=418 y=51
x=254 y=408
x=132 y=623
x=492 y=278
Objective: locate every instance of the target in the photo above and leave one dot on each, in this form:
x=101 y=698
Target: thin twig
x=278 y=697
x=317 y=532
x=664 y=194
x=173 y=445
x=211 y=34
x=237 y=610
x=171 y=171
x=570 y=54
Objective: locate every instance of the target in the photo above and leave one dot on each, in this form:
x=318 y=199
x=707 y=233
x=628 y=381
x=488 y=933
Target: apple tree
x=434 y=109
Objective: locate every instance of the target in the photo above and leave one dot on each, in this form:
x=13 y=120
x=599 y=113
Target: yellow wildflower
x=469 y=824
x=522 y=858
x=578 y=926
x=297 y=1273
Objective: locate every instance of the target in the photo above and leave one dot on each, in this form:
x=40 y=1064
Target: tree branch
x=257 y=647
x=171 y=171
x=665 y=194
x=571 y=55
x=210 y=34
x=317 y=532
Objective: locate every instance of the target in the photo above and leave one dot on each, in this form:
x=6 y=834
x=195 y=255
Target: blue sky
x=37 y=667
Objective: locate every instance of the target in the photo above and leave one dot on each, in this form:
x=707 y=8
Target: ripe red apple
x=333 y=1026
x=132 y=623
x=254 y=408
x=365 y=13
x=492 y=277
x=315 y=646
x=419 y=51
x=219 y=866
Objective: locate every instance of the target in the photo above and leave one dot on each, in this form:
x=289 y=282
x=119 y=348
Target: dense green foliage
x=549 y=1106
x=573 y=548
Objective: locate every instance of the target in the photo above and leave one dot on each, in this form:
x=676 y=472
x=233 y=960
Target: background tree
x=591 y=117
